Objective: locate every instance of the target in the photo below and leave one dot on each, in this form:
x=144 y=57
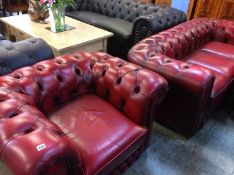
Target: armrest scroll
x=129 y=87
x=188 y=99
x=40 y=151
x=29 y=142
x=147 y=25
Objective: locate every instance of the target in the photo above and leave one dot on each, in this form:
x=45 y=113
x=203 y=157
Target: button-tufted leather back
x=125 y=9
x=53 y=82
x=14 y=55
x=83 y=4
x=179 y=40
x=224 y=31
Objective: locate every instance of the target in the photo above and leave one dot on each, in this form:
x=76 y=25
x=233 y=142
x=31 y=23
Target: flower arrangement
x=57 y=8
x=58 y=3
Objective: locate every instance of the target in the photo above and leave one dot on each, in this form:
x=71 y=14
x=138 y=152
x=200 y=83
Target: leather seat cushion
x=219 y=48
x=122 y=29
x=87 y=16
x=215 y=62
x=218 y=58
x=98 y=129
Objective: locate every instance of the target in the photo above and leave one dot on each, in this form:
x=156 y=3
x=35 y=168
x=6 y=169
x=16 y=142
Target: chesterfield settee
x=129 y=20
x=79 y=114
x=14 y=55
x=197 y=59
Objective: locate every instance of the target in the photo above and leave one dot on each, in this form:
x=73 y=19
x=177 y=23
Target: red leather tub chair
x=197 y=59
x=79 y=114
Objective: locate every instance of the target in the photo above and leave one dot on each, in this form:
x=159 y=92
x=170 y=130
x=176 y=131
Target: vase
x=58 y=18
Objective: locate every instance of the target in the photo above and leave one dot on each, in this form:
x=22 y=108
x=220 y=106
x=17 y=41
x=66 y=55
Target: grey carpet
x=209 y=152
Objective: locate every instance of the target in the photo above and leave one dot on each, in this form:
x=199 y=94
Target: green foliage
x=64 y=2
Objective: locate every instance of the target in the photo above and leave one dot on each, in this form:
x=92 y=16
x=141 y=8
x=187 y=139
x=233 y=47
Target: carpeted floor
x=209 y=152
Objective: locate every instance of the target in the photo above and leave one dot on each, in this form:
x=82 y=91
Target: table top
x=81 y=35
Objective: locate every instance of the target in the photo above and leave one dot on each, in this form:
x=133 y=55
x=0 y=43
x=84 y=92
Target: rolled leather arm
x=190 y=89
x=224 y=31
x=29 y=142
x=147 y=25
x=14 y=55
x=131 y=88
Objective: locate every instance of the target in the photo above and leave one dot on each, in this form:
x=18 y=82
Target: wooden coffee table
x=83 y=38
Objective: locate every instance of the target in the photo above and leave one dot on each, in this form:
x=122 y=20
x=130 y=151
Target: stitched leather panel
x=14 y=55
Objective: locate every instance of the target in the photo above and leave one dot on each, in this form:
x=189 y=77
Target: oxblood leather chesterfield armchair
x=197 y=59
x=14 y=55
x=129 y=20
x=77 y=114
